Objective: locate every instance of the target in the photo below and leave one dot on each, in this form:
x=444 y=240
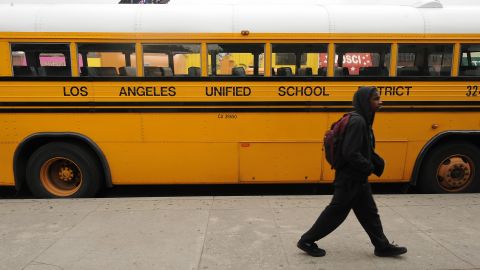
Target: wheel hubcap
x=61 y=176
x=455 y=173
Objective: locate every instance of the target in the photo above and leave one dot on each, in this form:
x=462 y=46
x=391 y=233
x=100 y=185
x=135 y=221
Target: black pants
x=349 y=194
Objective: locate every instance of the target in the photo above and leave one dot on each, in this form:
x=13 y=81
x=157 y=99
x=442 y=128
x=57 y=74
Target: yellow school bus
x=93 y=96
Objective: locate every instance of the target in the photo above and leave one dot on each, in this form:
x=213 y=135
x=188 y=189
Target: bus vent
x=144 y=1
x=428 y=4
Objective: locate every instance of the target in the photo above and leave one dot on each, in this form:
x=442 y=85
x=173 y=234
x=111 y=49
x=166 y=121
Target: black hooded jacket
x=358 y=146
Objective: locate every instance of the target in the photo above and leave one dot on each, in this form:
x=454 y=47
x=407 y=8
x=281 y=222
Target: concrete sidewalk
x=440 y=231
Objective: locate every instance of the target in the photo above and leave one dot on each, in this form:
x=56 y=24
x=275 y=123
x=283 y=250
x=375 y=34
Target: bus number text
x=472 y=91
x=227 y=116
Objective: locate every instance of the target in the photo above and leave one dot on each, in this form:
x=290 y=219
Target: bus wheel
x=63 y=170
x=451 y=168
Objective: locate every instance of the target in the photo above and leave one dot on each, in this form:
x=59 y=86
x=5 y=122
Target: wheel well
x=32 y=143
x=472 y=137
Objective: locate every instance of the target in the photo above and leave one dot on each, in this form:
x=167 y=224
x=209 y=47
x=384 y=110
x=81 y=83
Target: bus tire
x=63 y=170
x=451 y=168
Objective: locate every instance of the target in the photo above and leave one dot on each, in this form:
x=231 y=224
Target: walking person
x=352 y=190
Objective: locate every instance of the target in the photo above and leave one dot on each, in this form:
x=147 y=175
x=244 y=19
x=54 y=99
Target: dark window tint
x=362 y=60
x=470 y=61
x=41 y=59
x=171 y=60
x=236 y=59
x=299 y=59
x=424 y=59
x=106 y=59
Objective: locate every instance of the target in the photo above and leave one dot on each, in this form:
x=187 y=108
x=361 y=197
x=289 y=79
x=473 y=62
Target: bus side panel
x=172 y=163
x=6 y=163
x=413 y=151
x=280 y=162
x=294 y=136
x=392 y=139
x=394 y=154
x=5 y=59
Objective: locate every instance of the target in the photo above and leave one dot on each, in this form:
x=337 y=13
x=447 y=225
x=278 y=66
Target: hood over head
x=361 y=103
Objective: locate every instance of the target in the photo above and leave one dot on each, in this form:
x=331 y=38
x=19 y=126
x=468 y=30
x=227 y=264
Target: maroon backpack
x=332 y=141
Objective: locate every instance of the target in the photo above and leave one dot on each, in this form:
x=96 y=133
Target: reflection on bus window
x=362 y=60
x=470 y=61
x=236 y=59
x=424 y=60
x=171 y=60
x=299 y=59
x=106 y=59
x=41 y=59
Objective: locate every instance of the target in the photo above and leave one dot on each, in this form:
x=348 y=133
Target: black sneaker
x=311 y=249
x=391 y=250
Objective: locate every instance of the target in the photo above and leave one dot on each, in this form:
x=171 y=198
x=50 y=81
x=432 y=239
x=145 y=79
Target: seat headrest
x=99 y=71
x=238 y=71
x=194 y=71
x=128 y=71
x=284 y=71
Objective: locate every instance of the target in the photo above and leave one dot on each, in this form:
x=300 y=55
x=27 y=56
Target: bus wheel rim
x=61 y=176
x=455 y=173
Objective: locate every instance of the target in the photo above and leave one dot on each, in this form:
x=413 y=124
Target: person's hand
x=378 y=165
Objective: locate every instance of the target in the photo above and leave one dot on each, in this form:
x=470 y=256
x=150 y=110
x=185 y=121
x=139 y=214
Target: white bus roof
x=308 y=17
x=261 y=2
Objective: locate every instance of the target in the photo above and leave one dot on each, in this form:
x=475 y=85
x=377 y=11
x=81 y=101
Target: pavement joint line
x=406 y=219
x=206 y=233
x=277 y=231
x=48 y=264
x=448 y=250
x=58 y=239
x=433 y=239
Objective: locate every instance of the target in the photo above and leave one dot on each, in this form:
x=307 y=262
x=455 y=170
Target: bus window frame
x=142 y=45
x=301 y=42
x=454 y=54
x=239 y=42
x=134 y=52
x=68 y=58
x=387 y=65
x=469 y=57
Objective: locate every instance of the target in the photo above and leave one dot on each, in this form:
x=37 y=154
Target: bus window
x=106 y=59
x=470 y=61
x=41 y=59
x=424 y=59
x=299 y=59
x=171 y=60
x=236 y=59
x=362 y=60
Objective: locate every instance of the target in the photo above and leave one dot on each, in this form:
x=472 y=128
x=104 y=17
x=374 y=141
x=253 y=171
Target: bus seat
x=284 y=71
x=24 y=71
x=194 y=72
x=238 y=71
x=307 y=71
x=152 y=72
x=54 y=71
x=341 y=72
x=373 y=71
x=166 y=71
x=432 y=72
x=470 y=72
x=322 y=71
x=99 y=71
x=273 y=71
x=128 y=71
x=408 y=71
